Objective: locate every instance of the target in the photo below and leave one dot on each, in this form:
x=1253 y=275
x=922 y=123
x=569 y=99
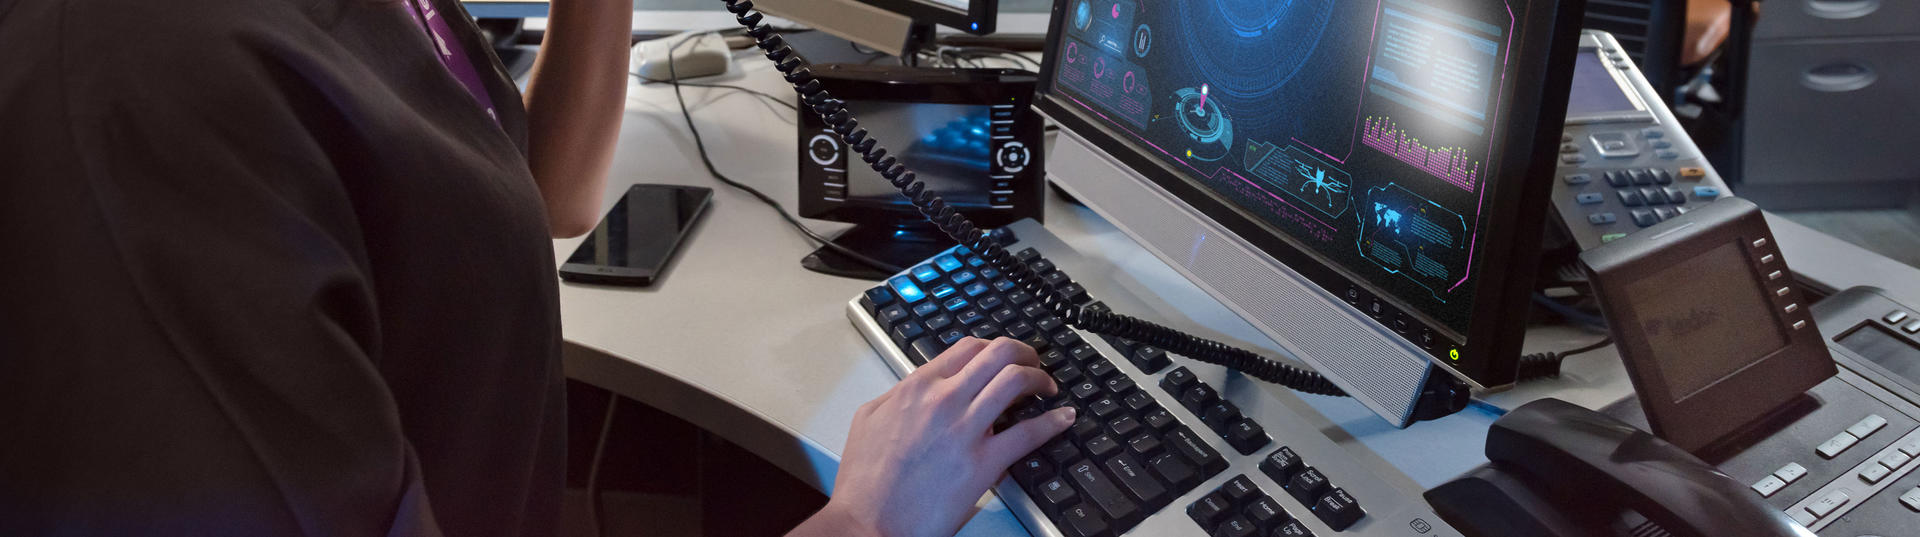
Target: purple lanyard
x=453 y=57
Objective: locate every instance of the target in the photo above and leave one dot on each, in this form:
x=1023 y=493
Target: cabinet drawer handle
x=1841 y=9
x=1838 y=76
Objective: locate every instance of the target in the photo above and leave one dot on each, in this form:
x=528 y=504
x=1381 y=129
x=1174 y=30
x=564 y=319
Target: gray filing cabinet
x=1833 y=107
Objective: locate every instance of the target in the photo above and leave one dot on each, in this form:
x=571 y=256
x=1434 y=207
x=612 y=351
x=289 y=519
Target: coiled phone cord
x=814 y=96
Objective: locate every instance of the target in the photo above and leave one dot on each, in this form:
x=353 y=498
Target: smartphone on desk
x=638 y=238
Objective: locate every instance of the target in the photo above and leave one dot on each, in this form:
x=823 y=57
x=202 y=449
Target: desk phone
x=1624 y=162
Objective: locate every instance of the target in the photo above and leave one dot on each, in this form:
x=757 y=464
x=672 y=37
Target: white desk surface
x=742 y=341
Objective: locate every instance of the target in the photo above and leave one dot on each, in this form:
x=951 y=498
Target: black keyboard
x=1126 y=457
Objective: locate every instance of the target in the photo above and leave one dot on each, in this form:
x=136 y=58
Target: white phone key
x=1793 y=471
x=1768 y=485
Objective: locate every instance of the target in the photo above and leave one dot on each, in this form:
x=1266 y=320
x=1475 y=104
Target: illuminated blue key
x=1003 y=285
x=962 y=277
x=947 y=263
x=975 y=261
x=989 y=273
x=1706 y=192
x=976 y=289
x=925 y=273
x=906 y=289
x=955 y=303
x=943 y=291
x=962 y=250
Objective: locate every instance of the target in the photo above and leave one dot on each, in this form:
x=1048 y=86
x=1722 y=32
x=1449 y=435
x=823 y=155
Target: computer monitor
x=971 y=135
x=1364 y=181
x=971 y=16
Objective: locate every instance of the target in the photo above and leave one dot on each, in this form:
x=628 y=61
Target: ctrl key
x=1082 y=521
x=1338 y=509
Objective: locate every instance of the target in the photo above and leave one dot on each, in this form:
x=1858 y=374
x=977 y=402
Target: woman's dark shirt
x=268 y=270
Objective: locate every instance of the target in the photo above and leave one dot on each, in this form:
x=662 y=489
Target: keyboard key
x=1105 y=408
x=1038 y=343
x=975 y=288
x=1003 y=285
x=926 y=273
x=1306 y=485
x=1193 y=449
x=1137 y=401
x=1082 y=521
x=1174 y=470
x=1099 y=488
x=1281 y=464
x=1338 y=509
x=924 y=349
x=970 y=317
x=1075 y=294
x=1027 y=255
x=1159 y=419
x=1055 y=495
x=1001 y=316
x=1149 y=359
x=951 y=336
x=1143 y=446
x=1048 y=323
x=1219 y=415
x=1640 y=177
x=1616 y=178
x=1033 y=470
x=986 y=331
x=947 y=263
x=1085 y=390
x=1265 y=513
x=1210 y=510
x=1292 y=528
x=1246 y=436
x=991 y=303
x=955 y=303
x=926 y=309
x=905 y=288
x=1020 y=330
x=961 y=278
x=1198 y=397
x=1082 y=353
x=1133 y=478
x=905 y=332
x=890 y=315
x=1067 y=375
x=1034 y=311
x=1061 y=451
x=1096 y=366
x=1236 y=526
x=939 y=322
x=989 y=272
x=876 y=298
x=1124 y=426
x=1052 y=358
x=1066 y=339
x=1177 y=381
x=1056 y=278
x=1240 y=490
x=1041 y=266
x=1019 y=298
x=1084 y=427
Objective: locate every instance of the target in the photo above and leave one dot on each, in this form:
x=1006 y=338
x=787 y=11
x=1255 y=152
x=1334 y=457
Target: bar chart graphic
x=1450 y=164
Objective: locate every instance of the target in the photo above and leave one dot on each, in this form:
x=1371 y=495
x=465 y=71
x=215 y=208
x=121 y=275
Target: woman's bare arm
x=574 y=105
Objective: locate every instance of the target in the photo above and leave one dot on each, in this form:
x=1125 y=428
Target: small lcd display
x=1875 y=343
x=950 y=151
x=1595 y=92
x=1702 y=323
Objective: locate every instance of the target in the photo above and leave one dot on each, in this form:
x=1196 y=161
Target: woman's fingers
x=1013 y=383
x=983 y=367
x=1003 y=449
x=954 y=359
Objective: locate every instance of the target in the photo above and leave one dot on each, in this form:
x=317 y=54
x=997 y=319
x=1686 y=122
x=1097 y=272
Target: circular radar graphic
x=1247 y=49
x=1208 y=127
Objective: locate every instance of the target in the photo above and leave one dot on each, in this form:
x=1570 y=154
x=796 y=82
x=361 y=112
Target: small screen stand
x=899 y=245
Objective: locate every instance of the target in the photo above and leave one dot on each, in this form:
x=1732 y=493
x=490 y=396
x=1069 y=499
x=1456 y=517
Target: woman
x=281 y=267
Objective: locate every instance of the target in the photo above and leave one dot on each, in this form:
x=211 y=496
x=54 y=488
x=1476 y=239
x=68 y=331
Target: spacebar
x=1100 y=488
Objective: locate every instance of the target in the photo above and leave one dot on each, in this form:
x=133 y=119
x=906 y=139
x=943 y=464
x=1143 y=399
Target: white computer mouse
x=700 y=55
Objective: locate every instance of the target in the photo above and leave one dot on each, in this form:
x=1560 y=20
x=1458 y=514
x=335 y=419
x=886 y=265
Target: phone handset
x=1558 y=469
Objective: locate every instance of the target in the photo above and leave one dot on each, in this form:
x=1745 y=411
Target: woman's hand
x=920 y=456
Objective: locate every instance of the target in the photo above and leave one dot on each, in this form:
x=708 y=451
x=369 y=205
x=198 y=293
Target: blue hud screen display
x=1362 y=128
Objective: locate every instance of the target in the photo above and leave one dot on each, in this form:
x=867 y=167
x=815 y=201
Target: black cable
x=957 y=227
x=701 y=144
x=763 y=95
x=1547 y=364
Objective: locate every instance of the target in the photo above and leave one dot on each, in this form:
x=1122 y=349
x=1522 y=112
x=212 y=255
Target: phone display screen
x=643 y=229
x=1720 y=324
